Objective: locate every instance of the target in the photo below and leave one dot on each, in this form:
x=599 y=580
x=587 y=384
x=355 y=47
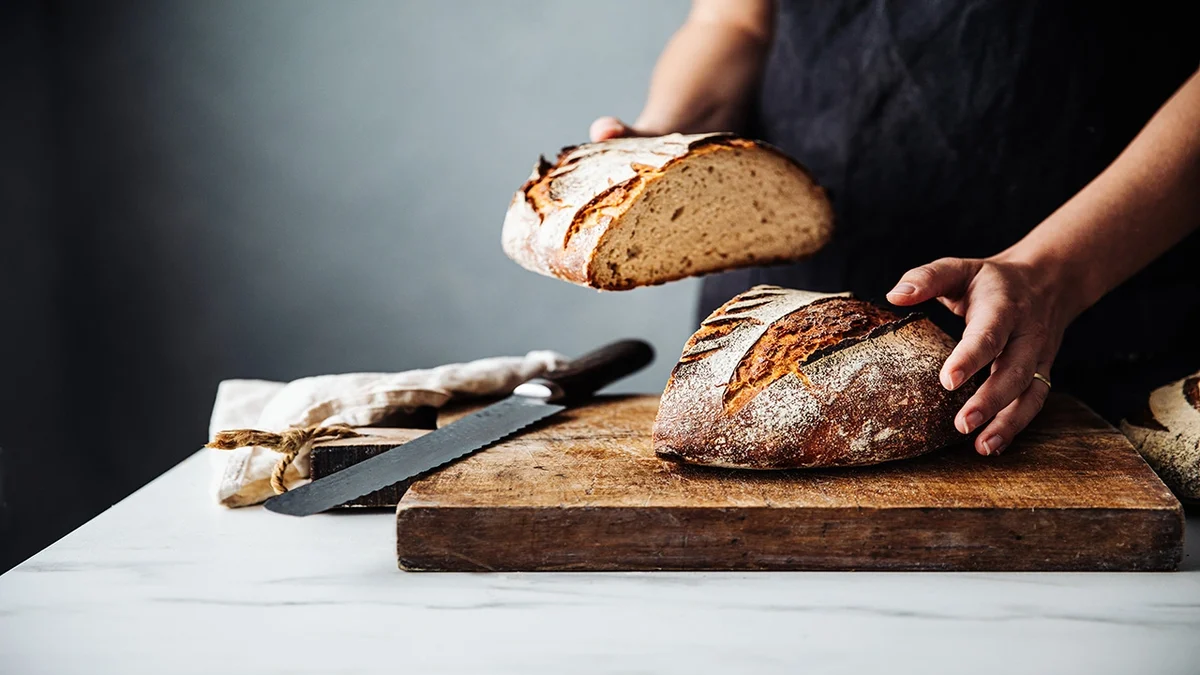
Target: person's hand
x=1016 y=315
x=605 y=128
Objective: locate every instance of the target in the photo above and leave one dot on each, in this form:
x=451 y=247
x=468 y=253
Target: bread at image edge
x=779 y=378
x=1167 y=433
x=641 y=211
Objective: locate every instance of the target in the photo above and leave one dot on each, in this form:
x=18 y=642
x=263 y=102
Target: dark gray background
x=192 y=191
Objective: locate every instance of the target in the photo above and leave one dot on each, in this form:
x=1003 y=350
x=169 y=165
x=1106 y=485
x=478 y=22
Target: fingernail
x=903 y=288
x=992 y=445
x=973 y=419
x=954 y=379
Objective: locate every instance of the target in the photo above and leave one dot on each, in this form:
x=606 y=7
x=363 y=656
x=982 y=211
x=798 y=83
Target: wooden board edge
x=763 y=538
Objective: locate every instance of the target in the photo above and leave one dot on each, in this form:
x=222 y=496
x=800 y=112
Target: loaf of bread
x=779 y=379
x=1167 y=433
x=640 y=211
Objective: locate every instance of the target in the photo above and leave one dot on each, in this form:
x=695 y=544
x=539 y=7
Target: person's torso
x=952 y=128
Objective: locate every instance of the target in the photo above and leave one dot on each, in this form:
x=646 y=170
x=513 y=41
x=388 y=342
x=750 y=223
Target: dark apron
x=952 y=128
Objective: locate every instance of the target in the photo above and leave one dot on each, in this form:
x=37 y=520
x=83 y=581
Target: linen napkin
x=242 y=477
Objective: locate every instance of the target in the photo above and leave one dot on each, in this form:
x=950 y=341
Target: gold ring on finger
x=1042 y=378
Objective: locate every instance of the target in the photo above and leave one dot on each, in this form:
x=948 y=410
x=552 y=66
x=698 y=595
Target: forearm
x=707 y=74
x=1144 y=203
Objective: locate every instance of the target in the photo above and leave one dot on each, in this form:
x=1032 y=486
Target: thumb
x=944 y=278
x=605 y=128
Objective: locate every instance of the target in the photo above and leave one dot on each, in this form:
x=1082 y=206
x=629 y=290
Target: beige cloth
x=242 y=477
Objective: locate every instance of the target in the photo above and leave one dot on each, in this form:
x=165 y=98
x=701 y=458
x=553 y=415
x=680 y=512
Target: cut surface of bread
x=635 y=212
x=778 y=379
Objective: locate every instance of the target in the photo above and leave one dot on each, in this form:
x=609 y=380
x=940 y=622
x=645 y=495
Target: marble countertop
x=166 y=581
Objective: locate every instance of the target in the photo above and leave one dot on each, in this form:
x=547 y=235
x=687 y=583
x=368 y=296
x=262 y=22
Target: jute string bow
x=290 y=443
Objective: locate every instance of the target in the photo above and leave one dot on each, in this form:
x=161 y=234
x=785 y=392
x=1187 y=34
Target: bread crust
x=559 y=217
x=852 y=398
x=1167 y=434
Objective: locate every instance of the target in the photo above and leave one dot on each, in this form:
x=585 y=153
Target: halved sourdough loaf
x=640 y=211
x=778 y=379
x=1167 y=433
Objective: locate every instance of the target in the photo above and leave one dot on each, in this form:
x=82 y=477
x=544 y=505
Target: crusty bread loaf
x=639 y=211
x=1167 y=433
x=777 y=379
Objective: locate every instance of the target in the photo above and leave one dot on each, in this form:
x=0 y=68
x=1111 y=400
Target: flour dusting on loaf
x=779 y=378
x=634 y=212
x=1167 y=433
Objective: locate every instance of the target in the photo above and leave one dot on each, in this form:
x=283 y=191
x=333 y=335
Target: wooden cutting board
x=584 y=491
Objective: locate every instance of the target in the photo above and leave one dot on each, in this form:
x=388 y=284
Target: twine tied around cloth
x=289 y=442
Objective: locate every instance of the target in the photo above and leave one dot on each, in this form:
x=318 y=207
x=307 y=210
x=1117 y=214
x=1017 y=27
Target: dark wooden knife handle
x=585 y=375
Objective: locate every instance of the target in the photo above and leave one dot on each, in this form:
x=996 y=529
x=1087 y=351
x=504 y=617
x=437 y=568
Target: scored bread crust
x=859 y=385
x=560 y=215
x=1167 y=434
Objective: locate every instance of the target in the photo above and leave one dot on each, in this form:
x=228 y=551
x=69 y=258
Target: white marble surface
x=168 y=582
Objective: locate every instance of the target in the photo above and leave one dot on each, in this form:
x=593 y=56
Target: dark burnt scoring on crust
x=539 y=189
x=798 y=338
x=718 y=325
x=709 y=333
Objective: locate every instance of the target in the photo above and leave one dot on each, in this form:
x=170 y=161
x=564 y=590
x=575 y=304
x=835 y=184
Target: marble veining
x=168 y=582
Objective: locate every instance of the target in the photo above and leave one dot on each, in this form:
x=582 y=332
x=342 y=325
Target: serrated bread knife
x=531 y=401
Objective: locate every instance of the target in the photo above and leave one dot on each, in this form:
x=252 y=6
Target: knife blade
x=530 y=402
